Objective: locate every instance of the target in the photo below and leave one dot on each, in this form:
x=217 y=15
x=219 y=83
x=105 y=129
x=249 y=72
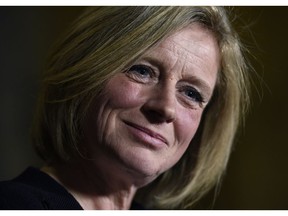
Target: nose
x=160 y=105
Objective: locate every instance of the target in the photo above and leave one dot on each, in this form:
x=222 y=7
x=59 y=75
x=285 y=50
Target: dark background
x=257 y=175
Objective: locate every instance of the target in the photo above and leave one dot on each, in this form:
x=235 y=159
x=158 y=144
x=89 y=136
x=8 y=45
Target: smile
x=147 y=135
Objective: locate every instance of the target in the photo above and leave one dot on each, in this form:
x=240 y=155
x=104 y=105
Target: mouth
x=154 y=135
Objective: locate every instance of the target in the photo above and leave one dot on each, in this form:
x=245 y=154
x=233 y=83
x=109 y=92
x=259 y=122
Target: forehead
x=194 y=48
x=194 y=38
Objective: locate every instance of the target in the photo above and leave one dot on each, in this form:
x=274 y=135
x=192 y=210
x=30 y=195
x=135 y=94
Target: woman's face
x=149 y=114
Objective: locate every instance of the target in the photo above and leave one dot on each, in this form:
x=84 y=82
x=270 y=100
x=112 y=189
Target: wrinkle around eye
x=202 y=87
x=135 y=74
x=192 y=105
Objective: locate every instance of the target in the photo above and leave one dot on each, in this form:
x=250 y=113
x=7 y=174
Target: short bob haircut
x=107 y=40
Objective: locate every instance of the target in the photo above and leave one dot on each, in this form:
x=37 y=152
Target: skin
x=144 y=121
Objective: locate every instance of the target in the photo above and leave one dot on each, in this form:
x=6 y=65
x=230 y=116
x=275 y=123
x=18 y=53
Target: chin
x=143 y=165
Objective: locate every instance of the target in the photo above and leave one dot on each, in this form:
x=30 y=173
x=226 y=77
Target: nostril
x=154 y=117
x=161 y=103
x=158 y=113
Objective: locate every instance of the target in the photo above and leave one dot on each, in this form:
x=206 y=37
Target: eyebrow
x=202 y=84
x=154 y=61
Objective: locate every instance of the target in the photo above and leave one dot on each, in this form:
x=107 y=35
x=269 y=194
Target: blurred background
x=257 y=175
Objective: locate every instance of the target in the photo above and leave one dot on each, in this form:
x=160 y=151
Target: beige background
x=257 y=176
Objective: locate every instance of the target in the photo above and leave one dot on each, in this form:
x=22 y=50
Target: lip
x=155 y=136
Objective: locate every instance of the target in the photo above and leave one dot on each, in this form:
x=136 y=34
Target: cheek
x=184 y=129
x=187 y=126
x=122 y=94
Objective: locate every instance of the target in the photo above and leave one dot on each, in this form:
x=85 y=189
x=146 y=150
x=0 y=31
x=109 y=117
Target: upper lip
x=148 y=131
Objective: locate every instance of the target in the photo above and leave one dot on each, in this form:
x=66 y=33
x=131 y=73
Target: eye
x=141 y=73
x=192 y=94
x=142 y=70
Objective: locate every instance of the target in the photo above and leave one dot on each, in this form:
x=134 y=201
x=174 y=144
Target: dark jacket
x=34 y=189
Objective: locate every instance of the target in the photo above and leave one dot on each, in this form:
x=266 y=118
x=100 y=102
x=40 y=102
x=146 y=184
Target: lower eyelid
x=196 y=92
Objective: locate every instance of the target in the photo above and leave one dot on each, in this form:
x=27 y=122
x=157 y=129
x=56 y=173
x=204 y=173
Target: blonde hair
x=105 y=41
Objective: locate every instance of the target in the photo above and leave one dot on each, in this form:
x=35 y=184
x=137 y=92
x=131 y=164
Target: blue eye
x=141 y=74
x=141 y=70
x=193 y=94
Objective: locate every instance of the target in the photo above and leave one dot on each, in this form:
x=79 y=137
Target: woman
x=138 y=103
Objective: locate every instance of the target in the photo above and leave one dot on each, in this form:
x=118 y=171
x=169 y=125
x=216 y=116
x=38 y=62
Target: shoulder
x=34 y=189
x=16 y=195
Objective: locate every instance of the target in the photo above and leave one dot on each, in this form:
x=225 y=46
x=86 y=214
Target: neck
x=93 y=187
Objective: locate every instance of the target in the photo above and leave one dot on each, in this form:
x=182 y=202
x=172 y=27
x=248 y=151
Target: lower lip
x=146 y=139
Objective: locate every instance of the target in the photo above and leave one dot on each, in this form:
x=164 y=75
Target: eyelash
x=192 y=93
x=137 y=72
